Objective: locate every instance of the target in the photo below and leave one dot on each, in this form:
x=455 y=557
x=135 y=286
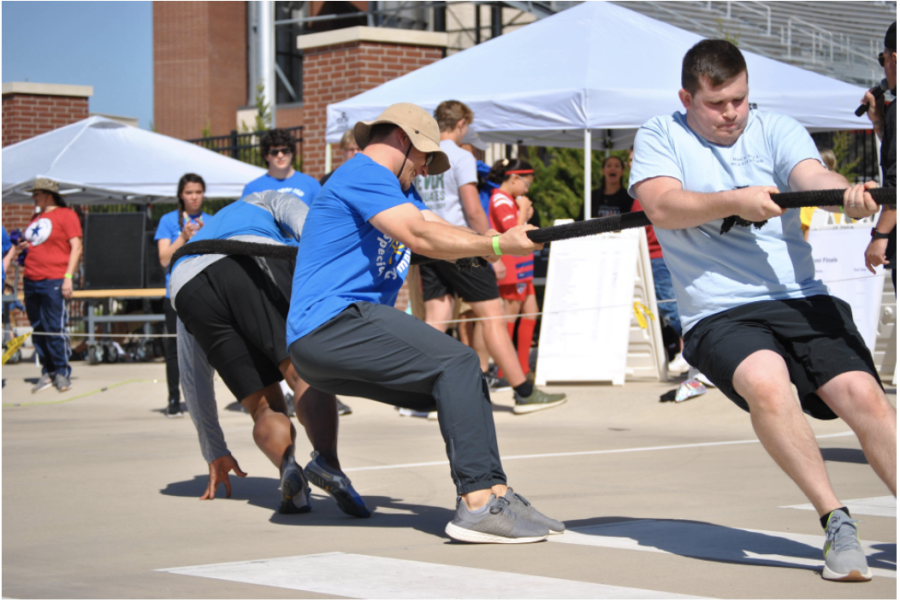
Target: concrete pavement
x=660 y=500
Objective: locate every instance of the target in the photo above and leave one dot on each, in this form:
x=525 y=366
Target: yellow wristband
x=67 y=275
x=496 y=243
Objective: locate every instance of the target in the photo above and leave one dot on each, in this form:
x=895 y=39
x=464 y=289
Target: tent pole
x=587 y=174
x=327 y=157
x=265 y=35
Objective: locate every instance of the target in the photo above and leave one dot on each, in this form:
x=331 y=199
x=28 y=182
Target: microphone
x=877 y=92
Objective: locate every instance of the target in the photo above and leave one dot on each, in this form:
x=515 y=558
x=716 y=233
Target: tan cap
x=44 y=184
x=421 y=128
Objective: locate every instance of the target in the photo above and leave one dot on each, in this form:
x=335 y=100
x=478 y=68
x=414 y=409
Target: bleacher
x=838 y=39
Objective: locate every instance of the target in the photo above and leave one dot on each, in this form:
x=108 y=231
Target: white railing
x=818 y=32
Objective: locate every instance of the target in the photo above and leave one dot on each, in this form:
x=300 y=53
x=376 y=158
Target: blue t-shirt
x=168 y=230
x=714 y=272
x=300 y=185
x=343 y=258
x=7 y=245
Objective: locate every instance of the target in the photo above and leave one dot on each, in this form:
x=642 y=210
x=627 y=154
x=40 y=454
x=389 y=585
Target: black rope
x=638 y=219
x=613 y=223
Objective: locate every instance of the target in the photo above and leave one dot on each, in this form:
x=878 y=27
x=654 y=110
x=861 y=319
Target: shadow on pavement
x=841 y=454
x=707 y=541
x=264 y=493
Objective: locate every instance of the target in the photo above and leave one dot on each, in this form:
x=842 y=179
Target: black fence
x=245 y=146
x=860 y=151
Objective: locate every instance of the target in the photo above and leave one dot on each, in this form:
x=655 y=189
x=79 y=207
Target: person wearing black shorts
x=453 y=196
x=232 y=312
x=756 y=319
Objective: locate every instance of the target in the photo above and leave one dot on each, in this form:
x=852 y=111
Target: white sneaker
x=697 y=375
x=679 y=365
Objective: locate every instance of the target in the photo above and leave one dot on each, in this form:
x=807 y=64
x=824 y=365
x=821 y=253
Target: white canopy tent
x=98 y=160
x=588 y=77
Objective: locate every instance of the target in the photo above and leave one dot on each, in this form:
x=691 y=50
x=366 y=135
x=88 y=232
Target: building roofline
x=47 y=89
x=386 y=35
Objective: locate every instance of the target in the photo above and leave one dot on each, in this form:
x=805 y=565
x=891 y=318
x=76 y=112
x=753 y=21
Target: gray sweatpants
x=380 y=353
x=199 y=394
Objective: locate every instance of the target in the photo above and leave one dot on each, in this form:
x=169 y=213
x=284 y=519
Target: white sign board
x=840 y=264
x=588 y=308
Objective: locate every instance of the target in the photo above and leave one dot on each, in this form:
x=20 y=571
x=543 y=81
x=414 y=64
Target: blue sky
x=107 y=45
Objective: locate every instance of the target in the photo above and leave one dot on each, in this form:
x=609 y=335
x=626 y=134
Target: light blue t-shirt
x=343 y=258
x=300 y=185
x=168 y=230
x=714 y=272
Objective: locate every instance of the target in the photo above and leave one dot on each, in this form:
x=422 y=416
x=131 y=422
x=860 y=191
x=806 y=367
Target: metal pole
x=266 y=52
x=587 y=174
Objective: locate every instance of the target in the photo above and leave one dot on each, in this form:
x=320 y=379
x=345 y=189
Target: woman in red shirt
x=510 y=207
x=53 y=240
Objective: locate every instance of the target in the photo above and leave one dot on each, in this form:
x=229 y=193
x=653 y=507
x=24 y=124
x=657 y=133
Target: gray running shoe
x=44 y=382
x=338 y=485
x=495 y=524
x=62 y=383
x=537 y=401
x=844 y=556
x=343 y=408
x=497 y=384
x=523 y=508
x=294 y=489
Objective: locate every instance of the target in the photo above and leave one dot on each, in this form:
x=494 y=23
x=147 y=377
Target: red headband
x=521 y=172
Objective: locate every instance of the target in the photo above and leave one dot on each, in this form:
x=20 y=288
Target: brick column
x=340 y=64
x=30 y=109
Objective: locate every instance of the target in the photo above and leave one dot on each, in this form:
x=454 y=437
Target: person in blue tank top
x=755 y=318
x=346 y=338
x=175 y=229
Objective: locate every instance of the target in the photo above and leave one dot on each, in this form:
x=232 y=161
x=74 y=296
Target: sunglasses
x=274 y=152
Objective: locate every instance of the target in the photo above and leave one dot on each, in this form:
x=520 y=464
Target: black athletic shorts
x=816 y=337
x=443 y=278
x=238 y=314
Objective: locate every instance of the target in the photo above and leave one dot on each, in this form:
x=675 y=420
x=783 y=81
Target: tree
x=842 y=142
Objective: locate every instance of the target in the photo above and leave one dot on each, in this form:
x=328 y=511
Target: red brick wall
x=199 y=66
x=335 y=73
x=27 y=115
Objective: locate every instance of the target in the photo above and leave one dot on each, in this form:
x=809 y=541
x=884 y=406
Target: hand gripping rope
x=613 y=223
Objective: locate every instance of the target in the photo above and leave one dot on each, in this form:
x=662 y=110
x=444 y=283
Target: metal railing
x=245 y=146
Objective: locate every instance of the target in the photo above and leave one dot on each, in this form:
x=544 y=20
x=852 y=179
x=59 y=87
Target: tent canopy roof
x=98 y=160
x=595 y=66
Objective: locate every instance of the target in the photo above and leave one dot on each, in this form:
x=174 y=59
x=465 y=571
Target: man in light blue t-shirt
x=755 y=317
x=346 y=338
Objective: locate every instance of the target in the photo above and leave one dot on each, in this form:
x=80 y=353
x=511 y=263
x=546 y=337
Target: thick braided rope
x=638 y=219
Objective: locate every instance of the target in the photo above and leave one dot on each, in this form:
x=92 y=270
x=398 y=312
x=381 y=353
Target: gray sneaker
x=523 y=508
x=62 y=383
x=294 y=489
x=537 y=401
x=844 y=556
x=498 y=384
x=44 y=382
x=495 y=523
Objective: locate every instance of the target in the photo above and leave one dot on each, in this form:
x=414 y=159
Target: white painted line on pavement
x=588 y=453
x=723 y=544
x=371 y=577
x=870 y=506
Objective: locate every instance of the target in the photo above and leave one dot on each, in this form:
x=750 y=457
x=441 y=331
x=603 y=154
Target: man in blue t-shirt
x=756 y=319
x=346 y=338
x=277 y=148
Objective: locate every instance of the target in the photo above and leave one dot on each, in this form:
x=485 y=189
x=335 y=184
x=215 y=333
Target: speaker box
x=114 y=250
x=154 y=273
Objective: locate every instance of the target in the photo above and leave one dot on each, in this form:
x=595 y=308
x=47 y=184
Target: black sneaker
x=343 y=409
x=338 y=485
x=294 y=489
x=173 y=410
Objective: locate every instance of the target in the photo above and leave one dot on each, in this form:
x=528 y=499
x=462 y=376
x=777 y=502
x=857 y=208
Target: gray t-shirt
x=441 y=192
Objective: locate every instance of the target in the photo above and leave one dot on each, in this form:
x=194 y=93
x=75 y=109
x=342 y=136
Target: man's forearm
x=678 y=209
x=887 y=221
x=447 y=242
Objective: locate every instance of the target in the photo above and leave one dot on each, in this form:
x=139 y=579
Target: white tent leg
x=327 y=157
x=266 y=53
x=587 y=174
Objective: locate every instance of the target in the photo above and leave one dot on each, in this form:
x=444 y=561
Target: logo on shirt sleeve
x=392 y=259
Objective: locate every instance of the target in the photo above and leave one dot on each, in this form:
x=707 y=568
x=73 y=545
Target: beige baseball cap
x=44 y=184
x=421 y=128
